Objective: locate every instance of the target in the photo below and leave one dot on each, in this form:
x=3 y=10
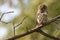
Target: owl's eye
x=42 y=8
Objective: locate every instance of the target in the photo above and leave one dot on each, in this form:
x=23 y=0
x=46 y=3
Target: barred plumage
x=42 y=14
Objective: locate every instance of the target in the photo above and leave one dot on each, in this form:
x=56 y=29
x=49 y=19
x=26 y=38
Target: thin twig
x=13 y=29
x=20 y=22
x=35 y=29
x=8 y=12
x=17 y=26
x=4 y=14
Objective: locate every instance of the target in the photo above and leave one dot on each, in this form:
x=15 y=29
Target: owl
x=42 y=14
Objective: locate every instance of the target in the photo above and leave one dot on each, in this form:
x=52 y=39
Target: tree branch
x=8 y=12
x=4 y=14
x=20 y=22
x=47 y=35
x=14 y=27
x=36 y=29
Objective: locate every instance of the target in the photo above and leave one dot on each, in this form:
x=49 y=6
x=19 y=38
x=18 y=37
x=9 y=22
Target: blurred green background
x=28 y=8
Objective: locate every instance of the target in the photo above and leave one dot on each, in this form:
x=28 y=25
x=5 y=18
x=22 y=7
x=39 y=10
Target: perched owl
x=42 y=14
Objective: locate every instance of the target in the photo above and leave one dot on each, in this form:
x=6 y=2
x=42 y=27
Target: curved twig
x=4 y=14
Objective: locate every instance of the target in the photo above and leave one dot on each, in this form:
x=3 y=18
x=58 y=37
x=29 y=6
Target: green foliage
x=30 y=11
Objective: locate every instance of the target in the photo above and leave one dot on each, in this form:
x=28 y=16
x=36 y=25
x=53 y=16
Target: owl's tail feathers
x=39 y=25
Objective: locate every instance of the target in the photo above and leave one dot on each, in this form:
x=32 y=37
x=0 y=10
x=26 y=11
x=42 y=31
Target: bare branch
x=47 y=35
x=36 y=29
x=5 y=22
x=8 y=12
x=20 y=22
x=58 y=20
x=14 y=27
x=3 y=15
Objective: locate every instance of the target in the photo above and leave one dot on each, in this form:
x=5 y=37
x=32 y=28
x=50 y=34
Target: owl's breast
x=42 y=17
x=39 y=18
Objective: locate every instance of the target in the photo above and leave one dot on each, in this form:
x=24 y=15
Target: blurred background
x=27 y=8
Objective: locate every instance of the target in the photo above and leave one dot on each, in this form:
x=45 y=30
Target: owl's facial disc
x=43 y=8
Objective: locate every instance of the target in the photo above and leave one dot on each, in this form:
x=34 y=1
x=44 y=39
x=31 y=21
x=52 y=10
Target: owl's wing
x=39 y=18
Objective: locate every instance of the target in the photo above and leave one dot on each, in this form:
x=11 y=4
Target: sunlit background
x=3 y=32
x=7 y=6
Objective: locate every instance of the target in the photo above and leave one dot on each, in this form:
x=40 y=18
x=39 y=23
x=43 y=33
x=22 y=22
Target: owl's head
x=42 y=7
